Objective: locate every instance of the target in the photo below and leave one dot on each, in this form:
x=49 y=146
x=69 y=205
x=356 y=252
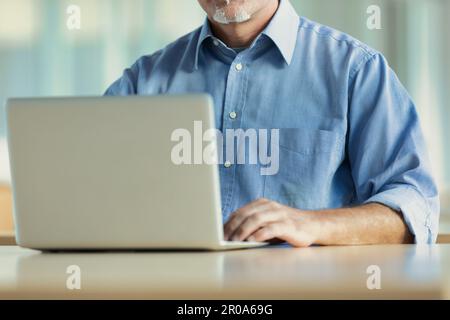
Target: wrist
x=313 y=223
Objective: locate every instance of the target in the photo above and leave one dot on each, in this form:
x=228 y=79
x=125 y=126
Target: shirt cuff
x=415 y=210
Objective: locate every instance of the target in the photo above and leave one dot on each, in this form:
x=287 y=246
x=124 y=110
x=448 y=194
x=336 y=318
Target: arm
x=265 y=220
x=368 y=224
x=126 y=84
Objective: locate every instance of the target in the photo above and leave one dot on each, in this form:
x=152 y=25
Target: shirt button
x=227 y=164
x=216 y=42
x=233 y=115
x=239 y=67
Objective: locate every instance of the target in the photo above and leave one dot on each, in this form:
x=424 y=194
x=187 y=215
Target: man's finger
x=270 y=231
x=283 y=231
x=254 y=222
x=241 y=214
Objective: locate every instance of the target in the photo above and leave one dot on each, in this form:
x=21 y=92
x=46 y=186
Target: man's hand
x=265 y=220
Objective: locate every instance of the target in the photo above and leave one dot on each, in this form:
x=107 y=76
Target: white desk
x=407 y=272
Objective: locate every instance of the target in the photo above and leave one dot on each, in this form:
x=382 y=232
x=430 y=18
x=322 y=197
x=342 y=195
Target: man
x=353 y=166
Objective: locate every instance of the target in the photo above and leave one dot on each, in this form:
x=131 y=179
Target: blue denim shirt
x=349 y=131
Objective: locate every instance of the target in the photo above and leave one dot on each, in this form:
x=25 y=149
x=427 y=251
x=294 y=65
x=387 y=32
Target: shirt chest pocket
x=307 y=162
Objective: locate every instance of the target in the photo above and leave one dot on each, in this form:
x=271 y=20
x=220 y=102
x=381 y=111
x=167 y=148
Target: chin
x=234 y=12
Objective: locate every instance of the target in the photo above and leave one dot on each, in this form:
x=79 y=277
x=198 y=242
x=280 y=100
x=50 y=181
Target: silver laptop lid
x=94 y=173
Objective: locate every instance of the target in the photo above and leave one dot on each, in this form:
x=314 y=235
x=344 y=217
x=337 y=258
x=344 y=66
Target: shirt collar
x=282 y=30
x=205 y=33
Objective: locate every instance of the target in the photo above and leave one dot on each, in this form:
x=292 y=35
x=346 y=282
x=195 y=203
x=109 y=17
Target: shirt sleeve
x=126 y=84
x=387 y=151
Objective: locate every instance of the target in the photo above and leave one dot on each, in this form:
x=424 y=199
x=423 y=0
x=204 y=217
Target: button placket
x=233 y=104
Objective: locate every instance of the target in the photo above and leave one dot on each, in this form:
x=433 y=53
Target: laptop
x=97 y=173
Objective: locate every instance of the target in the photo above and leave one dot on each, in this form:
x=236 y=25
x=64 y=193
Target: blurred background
x=40 y=56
